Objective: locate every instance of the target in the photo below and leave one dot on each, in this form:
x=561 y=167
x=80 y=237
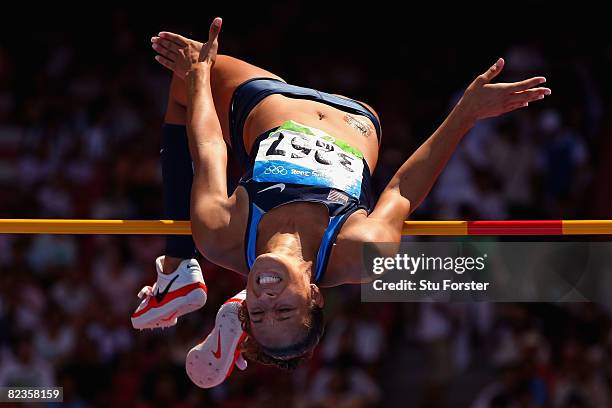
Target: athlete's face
x=279 y=296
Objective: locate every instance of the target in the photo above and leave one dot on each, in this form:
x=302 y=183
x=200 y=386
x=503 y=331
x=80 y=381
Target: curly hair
x=287 y=358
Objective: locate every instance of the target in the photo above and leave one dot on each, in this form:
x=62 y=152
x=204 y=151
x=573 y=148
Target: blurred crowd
x=79 y=138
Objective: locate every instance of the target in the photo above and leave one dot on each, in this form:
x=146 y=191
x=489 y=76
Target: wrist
x=196 y=77
x=464 y=114
x=199 y=69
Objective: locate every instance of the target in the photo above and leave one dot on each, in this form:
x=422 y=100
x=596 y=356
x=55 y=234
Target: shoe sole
x=203 y=367
x=167 y=315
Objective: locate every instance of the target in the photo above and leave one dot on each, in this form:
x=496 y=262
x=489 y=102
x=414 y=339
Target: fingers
x=169 y=45
x=169 y=50
x=526 y=84
x=175 y=38
x=215 y=29
x=209 y=50
x=492 y=72
x=165 y=62
x=529 y=95
x=516 y=106
x=523 y=99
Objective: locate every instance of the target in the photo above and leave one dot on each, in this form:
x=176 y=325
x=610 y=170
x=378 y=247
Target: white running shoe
x=209 y=363
x=172 y=296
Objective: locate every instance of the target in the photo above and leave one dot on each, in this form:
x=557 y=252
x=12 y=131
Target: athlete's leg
x=226 y=75
x=177 y=176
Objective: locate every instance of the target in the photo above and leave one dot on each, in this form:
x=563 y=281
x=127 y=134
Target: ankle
x=170 y=264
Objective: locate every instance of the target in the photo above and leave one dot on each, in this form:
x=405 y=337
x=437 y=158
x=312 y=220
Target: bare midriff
x=356 y=130
x=229 y=73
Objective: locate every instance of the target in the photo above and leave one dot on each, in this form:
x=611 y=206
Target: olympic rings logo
x=276 y=170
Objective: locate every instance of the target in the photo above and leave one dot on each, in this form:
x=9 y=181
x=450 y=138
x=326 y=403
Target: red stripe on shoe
x=233 y=300
x=217 y=354
x=167 y=319
x=236 y=354
x=152 y=304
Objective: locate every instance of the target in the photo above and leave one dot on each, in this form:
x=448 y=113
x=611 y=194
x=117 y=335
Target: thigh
x=227 y=74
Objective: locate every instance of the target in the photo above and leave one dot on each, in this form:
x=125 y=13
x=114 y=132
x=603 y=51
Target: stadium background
x=81 y=105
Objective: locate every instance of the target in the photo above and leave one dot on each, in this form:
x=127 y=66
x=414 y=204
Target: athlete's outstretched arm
x=209 y=200
x=416 y=176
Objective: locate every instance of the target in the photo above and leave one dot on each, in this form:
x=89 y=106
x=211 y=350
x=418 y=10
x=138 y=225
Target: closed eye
x=282 y=311
x=256 y=313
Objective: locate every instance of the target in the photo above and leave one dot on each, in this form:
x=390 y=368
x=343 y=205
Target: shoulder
x=361 y=228
x=346 y=265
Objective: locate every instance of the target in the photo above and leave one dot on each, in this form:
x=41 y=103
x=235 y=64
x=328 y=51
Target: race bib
x=299 y=154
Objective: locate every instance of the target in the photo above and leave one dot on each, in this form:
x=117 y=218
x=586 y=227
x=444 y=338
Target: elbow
x=414 y=204
x=208 y=239
x=394 y=201
x=209 y=224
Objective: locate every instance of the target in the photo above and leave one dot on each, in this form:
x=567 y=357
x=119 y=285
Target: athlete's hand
x=482 y=99
x=178 y=53
x=172 y=51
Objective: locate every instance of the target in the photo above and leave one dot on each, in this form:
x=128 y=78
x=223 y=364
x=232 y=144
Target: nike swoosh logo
x=159 y=296
x=279 y=185
x=167 y=319
x=217 y=353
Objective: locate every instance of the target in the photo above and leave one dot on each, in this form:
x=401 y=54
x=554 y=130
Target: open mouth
x=268 y=279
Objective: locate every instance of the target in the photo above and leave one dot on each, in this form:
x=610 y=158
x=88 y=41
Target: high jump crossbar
x=442 y=228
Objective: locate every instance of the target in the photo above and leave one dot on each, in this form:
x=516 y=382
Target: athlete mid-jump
x=303 y=208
